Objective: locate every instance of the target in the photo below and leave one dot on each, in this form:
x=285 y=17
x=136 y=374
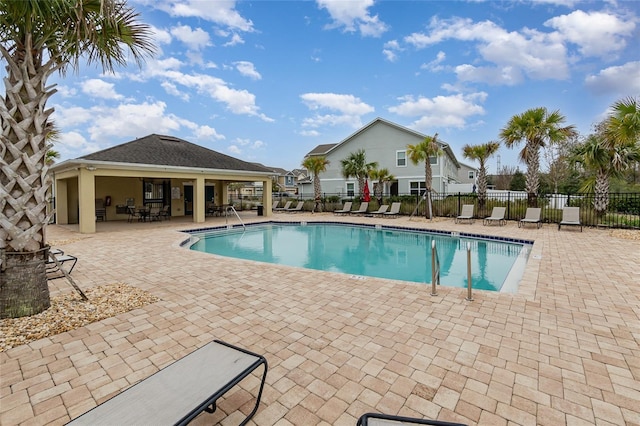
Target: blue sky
x=267 y=81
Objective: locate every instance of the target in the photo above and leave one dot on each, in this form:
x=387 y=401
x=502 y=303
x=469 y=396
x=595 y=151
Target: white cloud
x=172 y=89
x=390 y=50
x=596 y=33
x=195 y=39
x=534 y=54
x=204 y=133
x=350 y=109
x=623 y=79
x=441 y=111
x=66 y=91
x=310 y=133
x=347 y=104
x=100 y=89
x=507 y=75
x=160 y=36
x=435 y=64
x=237 y=101
x=235 y=40
x=222 y=12
x=353 y=16
x=248 y=70
x=234 y=149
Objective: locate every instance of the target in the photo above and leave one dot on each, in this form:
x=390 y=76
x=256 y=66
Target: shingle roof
x=321 y=149
x=163 y=150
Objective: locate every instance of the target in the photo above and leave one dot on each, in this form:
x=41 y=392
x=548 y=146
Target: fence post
x=508 y=205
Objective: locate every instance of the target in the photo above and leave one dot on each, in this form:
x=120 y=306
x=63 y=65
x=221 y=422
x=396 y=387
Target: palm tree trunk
x=533 y=180
x=24 y=184
x=428 y=177
x=601 y=199
x=482 y=186
x=317 y=194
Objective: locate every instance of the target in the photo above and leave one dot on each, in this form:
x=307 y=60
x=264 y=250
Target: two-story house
x=386 y=143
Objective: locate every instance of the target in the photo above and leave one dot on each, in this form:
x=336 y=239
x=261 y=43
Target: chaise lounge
x=381 y=210
x=532 y=215
x=570 y=216
x=346 y=209
x=181 y=391
x=375 y=419
x=297 y=208
x=395 y=210
x=497 y=216
x=466 y=214
x=362 y=209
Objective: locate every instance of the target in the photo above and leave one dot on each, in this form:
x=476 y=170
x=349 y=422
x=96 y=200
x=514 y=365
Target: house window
x=401 y=158
x=471 y=174
x=351 y=189
x=433 y=160
x=417 y=188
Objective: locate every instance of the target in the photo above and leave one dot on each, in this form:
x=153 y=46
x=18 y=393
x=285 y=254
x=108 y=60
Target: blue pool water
x=363 y=251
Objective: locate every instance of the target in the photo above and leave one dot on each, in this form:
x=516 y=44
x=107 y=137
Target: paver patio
x=563 y=350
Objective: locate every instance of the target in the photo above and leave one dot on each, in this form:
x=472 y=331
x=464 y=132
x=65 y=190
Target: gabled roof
x=321 y=149
x=161 y=150
x=326 y=148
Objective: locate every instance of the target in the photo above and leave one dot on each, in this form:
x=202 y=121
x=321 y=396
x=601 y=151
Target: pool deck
x=563 y=350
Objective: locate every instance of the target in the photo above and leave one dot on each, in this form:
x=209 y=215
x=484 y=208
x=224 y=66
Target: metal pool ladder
x=226 y=216
x=435 y=269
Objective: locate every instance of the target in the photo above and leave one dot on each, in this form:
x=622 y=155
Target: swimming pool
x=372 y=251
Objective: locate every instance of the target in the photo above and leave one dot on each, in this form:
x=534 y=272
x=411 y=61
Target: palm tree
x=38 y=38
x=603 y=160
x=481 y=153
x=623 y=124
x=355 y=165
x=536 y=127
x=423 y=151
x=381 y=176
x=316 y=165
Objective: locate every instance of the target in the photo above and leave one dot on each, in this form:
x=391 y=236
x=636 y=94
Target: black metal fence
x=623 y=210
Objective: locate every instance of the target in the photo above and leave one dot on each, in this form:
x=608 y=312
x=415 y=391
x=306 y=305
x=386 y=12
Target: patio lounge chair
x=374 y=419
x=55 y=263
x=297 y=208
x=466 y=214
x=395 y=210
x=531 y=216
x=286 y=207
x=346 y=209
x=181 y=391
x=497 y=216
x=570 y=216
x=381 y=210
x=362 y=209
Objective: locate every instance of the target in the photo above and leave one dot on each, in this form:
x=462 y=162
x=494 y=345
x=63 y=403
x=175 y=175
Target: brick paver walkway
x=563 y=350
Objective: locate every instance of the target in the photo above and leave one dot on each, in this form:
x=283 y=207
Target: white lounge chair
x=394 y=211
x=297 y=208
x=532 y=215
x=182 y=390
x=570 y=216
x=362 y=210
x=346 y=209
x=377 y=419
x=497 y=216
x=466 y=214
x=287 y=205
x=381 y=210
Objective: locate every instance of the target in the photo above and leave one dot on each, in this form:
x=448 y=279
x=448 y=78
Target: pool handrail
x=435 y=268
x=237 y=215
